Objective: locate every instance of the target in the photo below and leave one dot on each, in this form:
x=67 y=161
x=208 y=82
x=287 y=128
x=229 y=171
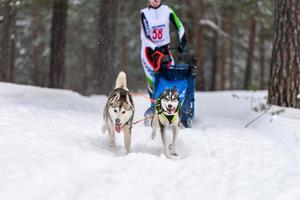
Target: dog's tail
x=121 y=81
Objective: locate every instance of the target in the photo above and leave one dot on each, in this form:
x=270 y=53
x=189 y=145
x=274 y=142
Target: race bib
x=158 y=33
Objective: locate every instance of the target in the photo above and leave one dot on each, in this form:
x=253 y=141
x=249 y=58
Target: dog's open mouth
x=118 y=127
x=171 y=110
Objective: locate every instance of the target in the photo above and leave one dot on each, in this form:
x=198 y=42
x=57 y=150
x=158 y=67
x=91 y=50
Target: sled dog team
x=119 y=111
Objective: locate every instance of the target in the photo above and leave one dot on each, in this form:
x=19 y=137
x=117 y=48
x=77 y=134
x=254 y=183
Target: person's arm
x=145 y=32
x=180 y=29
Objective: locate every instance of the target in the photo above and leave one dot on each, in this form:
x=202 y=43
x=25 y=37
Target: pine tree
x=8 y=38
x=107 y=23
x=58 y=43
x=284 y=85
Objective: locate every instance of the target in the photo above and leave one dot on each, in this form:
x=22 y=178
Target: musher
x=155 y=36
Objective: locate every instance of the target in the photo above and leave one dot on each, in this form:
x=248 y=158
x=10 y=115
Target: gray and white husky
x=167 y=113
x=118 y=112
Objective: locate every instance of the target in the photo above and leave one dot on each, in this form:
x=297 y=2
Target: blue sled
x=181 y=76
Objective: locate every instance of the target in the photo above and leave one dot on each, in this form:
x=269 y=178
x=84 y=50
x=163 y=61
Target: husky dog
x=118 y=112
x=167 y=113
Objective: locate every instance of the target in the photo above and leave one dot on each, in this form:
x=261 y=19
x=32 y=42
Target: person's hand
x=181 y=46
x=180 y=49
x=158 y=49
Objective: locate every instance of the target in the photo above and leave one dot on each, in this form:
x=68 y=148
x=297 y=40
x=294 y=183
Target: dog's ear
x=114 y=98
x=128 y=100
x=161 y=96
x=117 y=97
x=176 y=95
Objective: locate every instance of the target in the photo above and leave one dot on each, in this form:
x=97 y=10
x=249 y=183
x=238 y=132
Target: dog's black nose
x=118 y=120
x=169 y=106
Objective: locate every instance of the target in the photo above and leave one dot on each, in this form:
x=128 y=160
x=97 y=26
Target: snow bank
x=51 y=148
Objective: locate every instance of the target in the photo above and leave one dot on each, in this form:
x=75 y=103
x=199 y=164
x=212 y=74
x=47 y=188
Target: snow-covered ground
x=51 y=147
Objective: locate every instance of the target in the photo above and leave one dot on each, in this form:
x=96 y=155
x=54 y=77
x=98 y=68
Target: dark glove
x=181 y=46
x=158 y=49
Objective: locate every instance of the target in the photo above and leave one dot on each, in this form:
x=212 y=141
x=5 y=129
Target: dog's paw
x=153 y=134
x=168 y=155
x=127 y=152
x=112 y=144
x=172 y=149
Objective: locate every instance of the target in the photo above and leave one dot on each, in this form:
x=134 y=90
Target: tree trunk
x=215 y=58
x=124 y=38
x=84 y=70
x=250 y=54
x=199 y=34
x=58 y=43
x=124 y=54
x=223 y=59
x=38 y=46
x=228 y=46
x=188 y=14
x=224 y=48
x=262 y=59
x=285 y=63
x=231 y=62
x=104 y=71
x=8 y=42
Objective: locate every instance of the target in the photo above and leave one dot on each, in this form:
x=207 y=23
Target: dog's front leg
x=154 y=125
x=172 y=146
x=111 y=134
x=127 y=138
x=164 y=140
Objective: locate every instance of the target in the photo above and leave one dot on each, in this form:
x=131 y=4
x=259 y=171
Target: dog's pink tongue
x=171 y=110
x=118 y=127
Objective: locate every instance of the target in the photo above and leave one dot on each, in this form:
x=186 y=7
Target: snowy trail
x=51 y=147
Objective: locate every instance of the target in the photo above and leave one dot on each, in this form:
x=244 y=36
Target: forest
x=74 y=126
x=80 y=45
